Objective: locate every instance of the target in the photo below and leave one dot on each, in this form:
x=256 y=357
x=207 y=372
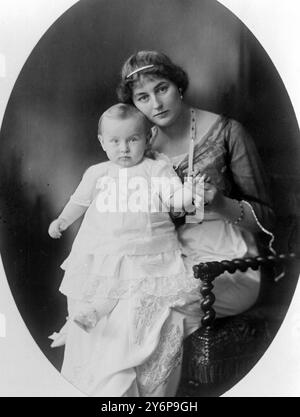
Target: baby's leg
x=91 y=313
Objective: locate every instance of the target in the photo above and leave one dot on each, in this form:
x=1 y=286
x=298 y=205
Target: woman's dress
x=228 y=156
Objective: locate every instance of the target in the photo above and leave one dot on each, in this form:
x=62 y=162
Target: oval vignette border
x=269 y=351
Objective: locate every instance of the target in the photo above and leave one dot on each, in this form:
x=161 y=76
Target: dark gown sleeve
x=249 y=180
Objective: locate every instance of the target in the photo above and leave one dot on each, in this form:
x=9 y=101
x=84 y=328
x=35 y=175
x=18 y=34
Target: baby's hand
x=56 y=227
x=198 y=190
x=193 y=191
x=188 y=195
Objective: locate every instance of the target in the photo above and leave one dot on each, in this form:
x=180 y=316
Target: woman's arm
x=249 y=204
x=235 y=211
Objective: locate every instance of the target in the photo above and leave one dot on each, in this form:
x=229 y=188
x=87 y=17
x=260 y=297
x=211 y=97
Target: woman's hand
x=229 y=209
x=213 y=198
x=56 y=228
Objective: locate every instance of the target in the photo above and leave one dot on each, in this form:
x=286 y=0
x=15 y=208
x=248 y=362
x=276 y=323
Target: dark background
x=49 y=132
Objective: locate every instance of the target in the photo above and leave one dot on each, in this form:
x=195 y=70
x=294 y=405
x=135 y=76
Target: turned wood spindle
x=208 y=271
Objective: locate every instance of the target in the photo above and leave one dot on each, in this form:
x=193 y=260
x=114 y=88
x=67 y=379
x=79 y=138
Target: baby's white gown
x=133 y=257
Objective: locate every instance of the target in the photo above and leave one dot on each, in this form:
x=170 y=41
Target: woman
x=237 y=209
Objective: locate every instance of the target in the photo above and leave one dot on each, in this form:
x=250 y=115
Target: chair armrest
x=208 y=271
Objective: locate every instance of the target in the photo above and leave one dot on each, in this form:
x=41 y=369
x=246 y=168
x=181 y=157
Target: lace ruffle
x=120 y=276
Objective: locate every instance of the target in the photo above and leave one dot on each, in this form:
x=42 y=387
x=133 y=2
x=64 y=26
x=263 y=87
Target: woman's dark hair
x=163 y=67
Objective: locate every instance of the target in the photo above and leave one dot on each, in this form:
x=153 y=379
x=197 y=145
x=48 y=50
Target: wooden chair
x=223 y=350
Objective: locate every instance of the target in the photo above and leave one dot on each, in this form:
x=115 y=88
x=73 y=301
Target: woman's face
x=158 y=98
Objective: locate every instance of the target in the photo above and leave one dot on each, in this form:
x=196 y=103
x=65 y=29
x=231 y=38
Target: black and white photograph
x=149 y=198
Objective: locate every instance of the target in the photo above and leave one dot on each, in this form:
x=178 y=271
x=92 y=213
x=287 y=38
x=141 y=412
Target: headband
x=139 y=69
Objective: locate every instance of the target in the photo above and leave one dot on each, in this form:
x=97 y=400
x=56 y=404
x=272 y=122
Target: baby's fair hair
x=122 y=111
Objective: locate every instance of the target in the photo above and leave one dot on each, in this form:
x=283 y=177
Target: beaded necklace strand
x=192 y=143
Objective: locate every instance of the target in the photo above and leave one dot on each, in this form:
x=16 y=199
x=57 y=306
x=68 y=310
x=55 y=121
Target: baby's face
x=124 y=141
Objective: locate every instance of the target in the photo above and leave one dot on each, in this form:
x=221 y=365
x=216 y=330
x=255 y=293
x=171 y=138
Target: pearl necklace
x=192 y=143
x=197 y=216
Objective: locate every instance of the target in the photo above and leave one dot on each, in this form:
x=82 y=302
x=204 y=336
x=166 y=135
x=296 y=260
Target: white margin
x=25 y=371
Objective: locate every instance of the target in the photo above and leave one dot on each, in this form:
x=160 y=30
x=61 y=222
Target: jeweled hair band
x=139 y=69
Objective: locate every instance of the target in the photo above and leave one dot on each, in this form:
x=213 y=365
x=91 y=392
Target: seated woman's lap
x=235 y=293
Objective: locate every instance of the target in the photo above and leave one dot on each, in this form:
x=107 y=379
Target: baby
x=126 y=203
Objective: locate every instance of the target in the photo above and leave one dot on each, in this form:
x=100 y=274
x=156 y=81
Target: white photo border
x=25 y=371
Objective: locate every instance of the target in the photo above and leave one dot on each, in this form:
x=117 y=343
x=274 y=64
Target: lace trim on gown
x=166 y=357
x=95 y=276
